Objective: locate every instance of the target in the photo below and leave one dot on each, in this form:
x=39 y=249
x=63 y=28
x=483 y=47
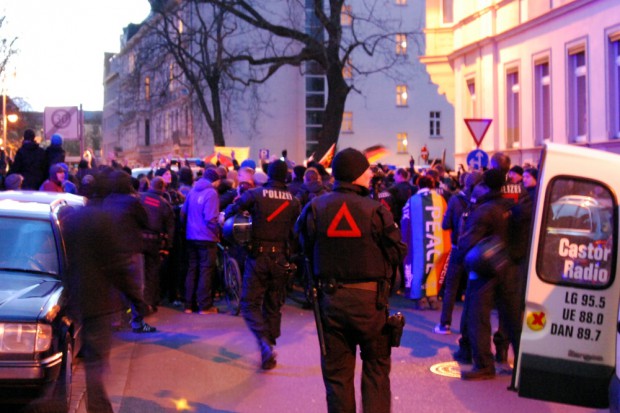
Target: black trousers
x=262 y=295
x=483 y=293
x=96 y=337
x=350 y=319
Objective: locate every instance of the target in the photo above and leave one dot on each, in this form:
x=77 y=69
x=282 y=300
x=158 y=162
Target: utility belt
x=380 y=287
x=267 y=247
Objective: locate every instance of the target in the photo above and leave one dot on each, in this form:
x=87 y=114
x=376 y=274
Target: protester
x=55 y=152
x=56 y=178
x=129 y=219
x=201 y=212
x=31 y=162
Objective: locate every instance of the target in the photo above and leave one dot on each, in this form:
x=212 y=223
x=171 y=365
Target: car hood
x=23 y=297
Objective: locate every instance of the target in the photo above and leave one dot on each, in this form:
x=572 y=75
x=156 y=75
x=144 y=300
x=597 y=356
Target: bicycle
x=230 y=277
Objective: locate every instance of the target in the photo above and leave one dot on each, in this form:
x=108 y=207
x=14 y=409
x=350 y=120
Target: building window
x=346 y=16
x=435 y=124
x=347 y=122
x=614 y=82
x=401 y=2
x=401 y=95
x=147 y=88
x=470 y=99
x=401 y=142
x=447 y=11
x=577 y=95
x=513 y=120
x=401 y=44
x=347 y=70
x=147 y=132
x=542 y=102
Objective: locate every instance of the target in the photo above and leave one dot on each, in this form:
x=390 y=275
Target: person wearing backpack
x=455 y=273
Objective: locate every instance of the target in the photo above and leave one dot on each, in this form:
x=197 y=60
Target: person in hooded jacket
x=486 y=289
x=54 y=183
x=30 y=161
x=201 y=212
x=129 y=219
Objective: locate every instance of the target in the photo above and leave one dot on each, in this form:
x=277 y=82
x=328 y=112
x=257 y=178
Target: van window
x=578 y=234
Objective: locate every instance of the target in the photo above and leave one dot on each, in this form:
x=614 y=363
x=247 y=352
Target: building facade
x=403 y=112
x=542 y=70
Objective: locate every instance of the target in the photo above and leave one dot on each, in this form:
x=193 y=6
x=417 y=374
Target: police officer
x=157 y=237
x=353 y=243
x=274 y=211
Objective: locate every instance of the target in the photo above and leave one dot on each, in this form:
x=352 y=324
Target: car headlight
x=25 y=338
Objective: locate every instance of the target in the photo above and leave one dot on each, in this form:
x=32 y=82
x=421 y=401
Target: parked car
x=38 y=338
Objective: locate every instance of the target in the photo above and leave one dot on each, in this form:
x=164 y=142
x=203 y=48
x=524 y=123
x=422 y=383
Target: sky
x=61 y=47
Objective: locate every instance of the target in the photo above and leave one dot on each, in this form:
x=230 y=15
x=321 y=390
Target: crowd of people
x=360 y=230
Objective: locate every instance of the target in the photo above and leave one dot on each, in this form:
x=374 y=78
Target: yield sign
x=352 y=231
x=478 y=128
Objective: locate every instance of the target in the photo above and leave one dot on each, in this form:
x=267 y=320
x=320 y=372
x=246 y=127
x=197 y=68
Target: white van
x=567 y=352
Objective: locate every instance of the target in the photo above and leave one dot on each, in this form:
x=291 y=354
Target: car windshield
x=27 y=245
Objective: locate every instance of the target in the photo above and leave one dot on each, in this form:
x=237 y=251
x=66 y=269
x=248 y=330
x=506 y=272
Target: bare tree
x=196 y=36
x=7 y=48
x=364 y=45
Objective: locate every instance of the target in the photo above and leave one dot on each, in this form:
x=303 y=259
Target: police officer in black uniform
x=274 y=211
x=353 y=243
x=157 y=237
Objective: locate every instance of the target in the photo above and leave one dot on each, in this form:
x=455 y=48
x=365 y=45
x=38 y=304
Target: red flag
x=326 y=160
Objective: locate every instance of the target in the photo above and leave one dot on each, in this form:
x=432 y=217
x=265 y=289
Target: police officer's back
x=353 y=243
x=274 y=211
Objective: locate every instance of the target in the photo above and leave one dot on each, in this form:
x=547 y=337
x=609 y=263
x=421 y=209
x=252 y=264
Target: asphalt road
x=210 y=363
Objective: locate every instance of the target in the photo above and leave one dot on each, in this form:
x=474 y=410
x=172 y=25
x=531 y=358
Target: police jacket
x=160 y=216
x=519 y=204
x=274 y=211
x=349 y=236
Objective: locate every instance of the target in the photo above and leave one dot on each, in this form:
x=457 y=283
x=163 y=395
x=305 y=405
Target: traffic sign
x=477 y=159
x=478 y=128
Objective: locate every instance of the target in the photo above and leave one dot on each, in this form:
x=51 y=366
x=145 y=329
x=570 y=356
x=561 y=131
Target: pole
x=3 y=117
x=81 y=130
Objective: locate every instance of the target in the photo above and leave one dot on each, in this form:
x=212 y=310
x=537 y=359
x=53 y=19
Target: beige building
x=542 y=70
x=403 y=112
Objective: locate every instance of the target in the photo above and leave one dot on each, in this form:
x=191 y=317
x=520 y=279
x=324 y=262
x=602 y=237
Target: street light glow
x=12 y=117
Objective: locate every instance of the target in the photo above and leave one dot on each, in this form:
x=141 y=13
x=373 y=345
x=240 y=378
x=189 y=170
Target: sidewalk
x=116 y=377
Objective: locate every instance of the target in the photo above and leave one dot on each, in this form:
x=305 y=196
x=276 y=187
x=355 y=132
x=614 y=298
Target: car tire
x=61 y=388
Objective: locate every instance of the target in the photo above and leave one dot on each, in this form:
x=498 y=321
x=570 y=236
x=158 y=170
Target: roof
x=43 y=197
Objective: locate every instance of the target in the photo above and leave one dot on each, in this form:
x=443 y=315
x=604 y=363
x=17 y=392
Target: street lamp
x=11 y=117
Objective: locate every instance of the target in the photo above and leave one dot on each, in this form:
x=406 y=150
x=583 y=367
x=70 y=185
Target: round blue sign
x=477 y=159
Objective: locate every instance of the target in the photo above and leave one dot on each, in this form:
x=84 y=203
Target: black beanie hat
x=517 y=169
x=494 y=179
x=349 y=164
x=278 y=170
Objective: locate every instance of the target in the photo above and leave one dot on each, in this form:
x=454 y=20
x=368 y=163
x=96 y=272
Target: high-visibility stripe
x=277 y=212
